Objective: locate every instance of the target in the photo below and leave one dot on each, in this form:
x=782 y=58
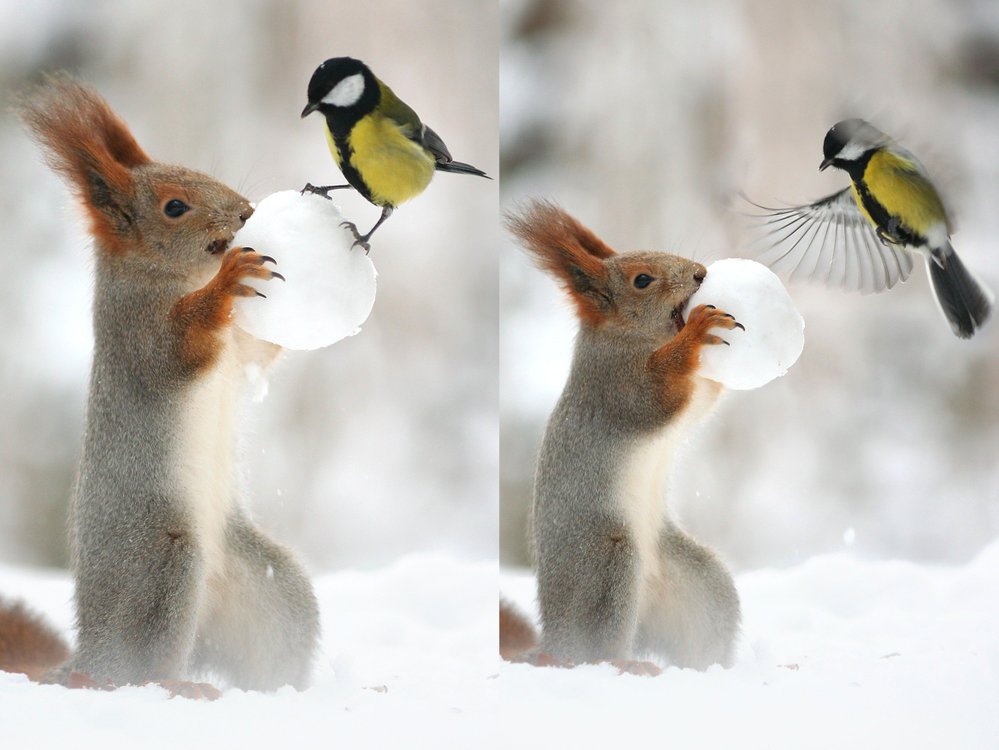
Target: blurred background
x=381 y=445
x=644 y=123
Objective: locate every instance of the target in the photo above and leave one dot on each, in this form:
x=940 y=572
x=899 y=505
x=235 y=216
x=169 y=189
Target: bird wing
x=433 y=143
x=830 y=241
x=409 y=123
x=396 y=110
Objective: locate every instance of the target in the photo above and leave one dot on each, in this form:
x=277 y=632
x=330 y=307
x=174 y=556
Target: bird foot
x=360 y=240
x=323 y=190
x=886 y=239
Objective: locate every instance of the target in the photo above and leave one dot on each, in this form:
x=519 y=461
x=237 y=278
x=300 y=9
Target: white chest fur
x=642 y=488
x=207 y=448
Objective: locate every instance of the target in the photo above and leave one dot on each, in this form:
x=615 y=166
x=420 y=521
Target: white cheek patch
x=347 y=92
x=853 y=150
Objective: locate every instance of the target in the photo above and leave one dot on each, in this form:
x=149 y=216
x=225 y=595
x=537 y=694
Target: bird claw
x=323 y=191
x=360 y=240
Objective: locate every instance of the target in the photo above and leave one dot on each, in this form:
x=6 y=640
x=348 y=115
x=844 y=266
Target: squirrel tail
x=27 y=643
x=517 y=636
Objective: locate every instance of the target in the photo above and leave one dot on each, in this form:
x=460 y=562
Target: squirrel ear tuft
x=91 y=147
x=569 y=251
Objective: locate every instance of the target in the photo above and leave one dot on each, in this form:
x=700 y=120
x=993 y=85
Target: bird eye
x=176 y=208
x=642 y=280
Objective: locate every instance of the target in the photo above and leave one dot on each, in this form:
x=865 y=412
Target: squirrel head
x=175 y=218
x=636 y=294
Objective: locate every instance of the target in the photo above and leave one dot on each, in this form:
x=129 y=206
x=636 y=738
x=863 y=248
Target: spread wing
x=829 y=241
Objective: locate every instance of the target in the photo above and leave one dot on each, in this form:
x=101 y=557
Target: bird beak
x=825 y=162
x=310 y=108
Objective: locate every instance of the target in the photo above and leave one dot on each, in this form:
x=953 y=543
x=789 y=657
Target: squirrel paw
x=705 y=317
x=199 y=691
x=84 y=681
x=240 y=263
x=176 y=688
x=640 y=668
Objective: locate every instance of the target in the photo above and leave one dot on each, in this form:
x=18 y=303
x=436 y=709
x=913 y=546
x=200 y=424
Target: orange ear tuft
x=91 y=147
x=570 y=252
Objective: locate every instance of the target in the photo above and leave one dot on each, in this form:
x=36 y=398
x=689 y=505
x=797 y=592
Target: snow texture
x=329 y=286
x=408 y=660
x=837 y=652
x=775 y=331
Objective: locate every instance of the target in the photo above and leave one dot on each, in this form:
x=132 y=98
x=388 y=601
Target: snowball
x=774 y=335
x=329 y=287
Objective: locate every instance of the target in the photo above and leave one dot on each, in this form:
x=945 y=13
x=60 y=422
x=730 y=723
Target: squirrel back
x=611 y=564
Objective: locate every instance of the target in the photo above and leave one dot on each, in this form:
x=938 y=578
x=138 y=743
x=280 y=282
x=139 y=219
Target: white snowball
x=329 y=287
x=774 y=335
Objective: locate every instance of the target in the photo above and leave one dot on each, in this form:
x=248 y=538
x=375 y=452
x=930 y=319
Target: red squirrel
x=173 y=579
x=618 y=580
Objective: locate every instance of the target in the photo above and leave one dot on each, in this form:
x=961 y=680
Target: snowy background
x=379 y=446
x=857 y=498
x=885 y=436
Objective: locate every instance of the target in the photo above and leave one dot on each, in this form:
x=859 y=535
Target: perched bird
x=864 y=236
x=377 y=140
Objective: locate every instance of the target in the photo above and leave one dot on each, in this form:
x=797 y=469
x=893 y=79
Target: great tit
x=376 y=139
x=864 y=236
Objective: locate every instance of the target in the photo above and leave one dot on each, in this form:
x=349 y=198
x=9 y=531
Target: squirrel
x=172 y=578
x=617 y=579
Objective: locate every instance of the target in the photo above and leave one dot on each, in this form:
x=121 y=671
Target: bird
x=378 y=142
x=865 y=236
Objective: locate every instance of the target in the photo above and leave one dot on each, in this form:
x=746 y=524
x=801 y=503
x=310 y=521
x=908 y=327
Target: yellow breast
x=906 y=194
x=393 y=167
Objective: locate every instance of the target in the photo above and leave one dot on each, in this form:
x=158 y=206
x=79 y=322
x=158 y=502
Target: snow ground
x=836 y=652
x=408 y=661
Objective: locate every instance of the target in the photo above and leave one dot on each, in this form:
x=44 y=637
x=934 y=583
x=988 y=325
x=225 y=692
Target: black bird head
x=848 y=140
x=343 y=87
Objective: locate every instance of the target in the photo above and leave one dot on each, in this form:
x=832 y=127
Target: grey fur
x=610 y=586
x=161 y=593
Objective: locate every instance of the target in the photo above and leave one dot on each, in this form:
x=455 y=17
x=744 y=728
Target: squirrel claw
x=276 y=275
x=267 y=259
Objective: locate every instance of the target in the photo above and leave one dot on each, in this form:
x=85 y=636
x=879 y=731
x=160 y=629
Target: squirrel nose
x=245 y=215
x=700 y=273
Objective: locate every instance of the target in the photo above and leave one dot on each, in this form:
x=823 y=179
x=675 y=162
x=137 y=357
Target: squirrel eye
x=642 y=280
x=176 y=208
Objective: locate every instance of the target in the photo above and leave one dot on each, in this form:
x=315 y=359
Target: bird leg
x=323 y=190
x=887 y=239
x=361 y=240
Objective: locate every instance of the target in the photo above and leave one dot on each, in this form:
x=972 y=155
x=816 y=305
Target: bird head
x=848 y=140
x=342 y=86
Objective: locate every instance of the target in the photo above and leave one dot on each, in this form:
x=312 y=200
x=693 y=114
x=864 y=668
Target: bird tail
x=460 y=168
x=964 y=301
